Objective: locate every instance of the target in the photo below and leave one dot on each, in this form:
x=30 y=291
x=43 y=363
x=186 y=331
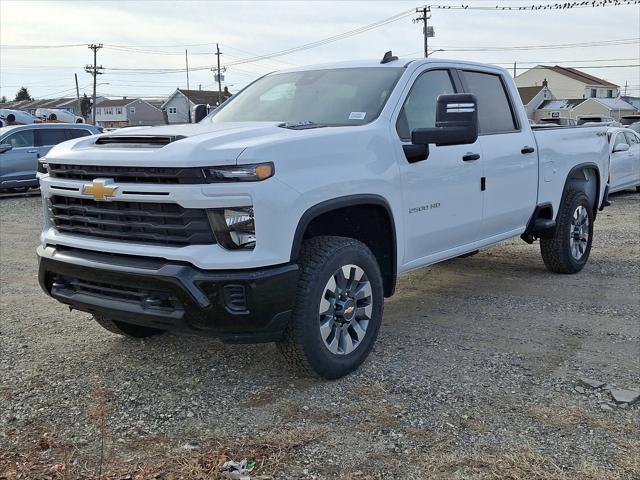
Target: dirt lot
x=475 y=375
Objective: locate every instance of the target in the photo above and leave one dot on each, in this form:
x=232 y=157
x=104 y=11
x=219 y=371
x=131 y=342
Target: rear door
x=510 y=162
x=441 y=194
x=19 y=163
x=46 y=138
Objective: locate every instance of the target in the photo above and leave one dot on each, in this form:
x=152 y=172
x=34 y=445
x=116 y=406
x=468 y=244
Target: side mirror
x=5 y=147
x=622 y=147
x=200 y=111
x=456 y=122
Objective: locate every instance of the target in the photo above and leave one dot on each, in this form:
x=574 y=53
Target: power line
x=543 y=6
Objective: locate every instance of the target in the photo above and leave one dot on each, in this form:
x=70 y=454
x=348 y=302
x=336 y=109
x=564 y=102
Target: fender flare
x=583 y=166
x=341 y=202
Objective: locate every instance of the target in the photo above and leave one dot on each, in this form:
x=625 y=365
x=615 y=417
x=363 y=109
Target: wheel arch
x=323 y=219
x=579 y=178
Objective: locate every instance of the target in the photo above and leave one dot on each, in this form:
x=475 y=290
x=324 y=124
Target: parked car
x=15 y=117
x=283 y=218
x=629 y=119
x=562 y=121
x=57 y=115
x=635 y=127
x=594 y=119
x=624 y=168
x=21 y=146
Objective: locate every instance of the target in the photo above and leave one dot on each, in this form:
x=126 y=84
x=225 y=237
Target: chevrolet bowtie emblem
x=99 y=189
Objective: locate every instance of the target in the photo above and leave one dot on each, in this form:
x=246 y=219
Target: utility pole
x=218 y=53
x=626 y=84
x=78 y=96
x=515 y=69
x=186 y=59
x=94 y=70
x=427 y=31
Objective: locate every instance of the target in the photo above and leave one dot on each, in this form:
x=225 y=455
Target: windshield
x=337 y=97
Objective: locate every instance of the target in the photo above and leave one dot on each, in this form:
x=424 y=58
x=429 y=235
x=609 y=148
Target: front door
x=20 y=163
x=441 y=194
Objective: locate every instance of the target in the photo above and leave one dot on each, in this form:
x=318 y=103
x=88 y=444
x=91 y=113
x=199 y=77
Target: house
x=127 y=112
x=580 y=107
x=556 y=109
x=604 y=107
x=568 y=82
x=69 y=104
x=176 y=105
x=533 y=97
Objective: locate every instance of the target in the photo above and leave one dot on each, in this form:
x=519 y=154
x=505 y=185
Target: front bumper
x=243 y=306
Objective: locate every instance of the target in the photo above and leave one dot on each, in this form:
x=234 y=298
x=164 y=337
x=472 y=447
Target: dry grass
x=526 y=464
x=52 y=459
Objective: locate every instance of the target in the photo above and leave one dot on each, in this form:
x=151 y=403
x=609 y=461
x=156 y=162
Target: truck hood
x=196 y=145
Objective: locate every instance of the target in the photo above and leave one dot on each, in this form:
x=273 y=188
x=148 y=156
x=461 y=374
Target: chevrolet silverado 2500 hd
x=286 y=214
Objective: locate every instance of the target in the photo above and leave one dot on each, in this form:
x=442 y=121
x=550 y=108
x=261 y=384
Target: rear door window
x=78 y=132
x=46 y=137
x=495 y=114
x=21 y=139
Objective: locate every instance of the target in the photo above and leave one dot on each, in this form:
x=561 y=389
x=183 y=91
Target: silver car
x=22 y=145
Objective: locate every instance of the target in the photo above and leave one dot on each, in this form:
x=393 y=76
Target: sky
x=43 y=44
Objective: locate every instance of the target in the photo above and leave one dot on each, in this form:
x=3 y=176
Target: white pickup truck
x=286 y=214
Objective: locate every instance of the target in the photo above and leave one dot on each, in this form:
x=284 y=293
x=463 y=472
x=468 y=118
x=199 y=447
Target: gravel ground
x=476 y=374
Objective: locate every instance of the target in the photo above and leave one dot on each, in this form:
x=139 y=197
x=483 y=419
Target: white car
x=287 y=213
x=624 y=167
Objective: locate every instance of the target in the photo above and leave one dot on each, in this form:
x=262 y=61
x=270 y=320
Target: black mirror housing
x=456 y=122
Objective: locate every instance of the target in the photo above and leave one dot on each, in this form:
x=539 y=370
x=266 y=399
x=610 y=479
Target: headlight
x=239 y=173
x=234 y=228
x=42 y=165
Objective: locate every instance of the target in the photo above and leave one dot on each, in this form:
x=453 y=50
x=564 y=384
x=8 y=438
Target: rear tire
x=567 y=248
x=338 y=308
x=126 y=329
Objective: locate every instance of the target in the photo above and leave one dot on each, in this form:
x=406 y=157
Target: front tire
x=567 y=248
x=338 y=308
x=126 y=329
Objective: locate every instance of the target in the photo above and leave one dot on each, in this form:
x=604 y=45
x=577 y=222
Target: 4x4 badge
x=99 y=189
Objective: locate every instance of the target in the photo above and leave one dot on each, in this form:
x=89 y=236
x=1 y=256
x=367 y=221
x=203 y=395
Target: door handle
x=526 y=150
x=469 y=157
x=32 y=151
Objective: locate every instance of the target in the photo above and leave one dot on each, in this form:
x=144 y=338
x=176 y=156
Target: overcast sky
x=154 y=35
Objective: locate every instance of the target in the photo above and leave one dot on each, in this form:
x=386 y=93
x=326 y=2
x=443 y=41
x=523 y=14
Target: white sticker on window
x=357 y=115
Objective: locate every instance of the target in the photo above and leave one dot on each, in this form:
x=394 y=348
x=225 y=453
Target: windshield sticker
x=357 y=115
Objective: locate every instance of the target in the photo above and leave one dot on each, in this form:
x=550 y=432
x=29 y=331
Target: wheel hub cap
x=345 y=310
x=579 y=233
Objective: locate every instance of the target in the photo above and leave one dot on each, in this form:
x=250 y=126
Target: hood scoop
x=137 y=141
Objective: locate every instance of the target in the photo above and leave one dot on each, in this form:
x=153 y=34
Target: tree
x=23 y=94
x=3 y=99
x=85 y=106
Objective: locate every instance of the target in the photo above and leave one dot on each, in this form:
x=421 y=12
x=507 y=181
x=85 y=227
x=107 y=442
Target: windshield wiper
x=301 y=125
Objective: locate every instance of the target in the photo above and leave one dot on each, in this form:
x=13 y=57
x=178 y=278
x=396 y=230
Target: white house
x=182 y=101
x=568 y=82
x=601 y=107
x=533 y=97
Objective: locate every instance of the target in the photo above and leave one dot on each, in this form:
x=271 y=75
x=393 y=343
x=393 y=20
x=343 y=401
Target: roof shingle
x=579 y=76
